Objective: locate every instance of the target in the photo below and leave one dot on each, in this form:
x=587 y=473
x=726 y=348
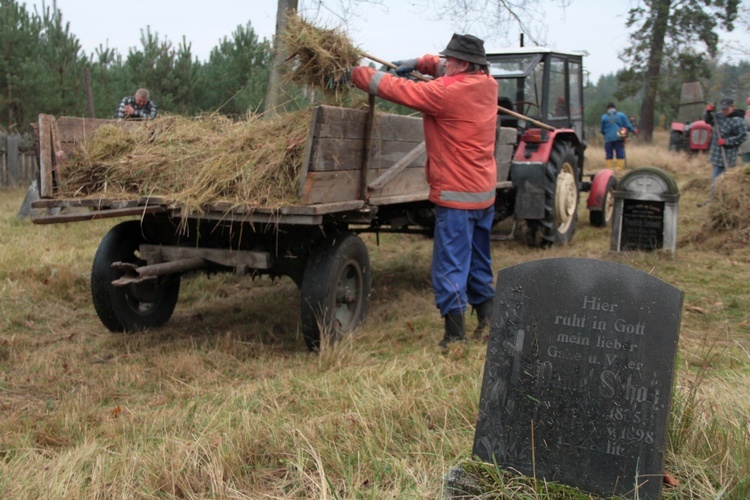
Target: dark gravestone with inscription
x=578 y=376
x=642 y=225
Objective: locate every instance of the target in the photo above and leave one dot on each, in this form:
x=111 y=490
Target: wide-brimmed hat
x=467 y=48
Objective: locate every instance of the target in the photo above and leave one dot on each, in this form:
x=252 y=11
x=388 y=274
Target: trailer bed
x=354 y=162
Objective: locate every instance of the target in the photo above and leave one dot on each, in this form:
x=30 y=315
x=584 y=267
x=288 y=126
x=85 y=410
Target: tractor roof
x=535 y=50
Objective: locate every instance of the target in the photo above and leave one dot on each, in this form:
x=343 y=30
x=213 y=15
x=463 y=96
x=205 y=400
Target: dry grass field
x=225 y=401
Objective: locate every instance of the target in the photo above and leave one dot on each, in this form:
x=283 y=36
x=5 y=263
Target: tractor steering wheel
x=525 y=106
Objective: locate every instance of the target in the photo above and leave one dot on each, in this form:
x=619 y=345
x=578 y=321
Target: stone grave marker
x=578 y=376
x=645 y=215
x=32 y=195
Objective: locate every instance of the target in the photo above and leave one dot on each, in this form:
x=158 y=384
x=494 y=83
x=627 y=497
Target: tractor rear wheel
x=560 y=199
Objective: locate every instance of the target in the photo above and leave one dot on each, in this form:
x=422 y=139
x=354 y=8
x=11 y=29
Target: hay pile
x=193 y=161
x=320 y=56
x=730 y=208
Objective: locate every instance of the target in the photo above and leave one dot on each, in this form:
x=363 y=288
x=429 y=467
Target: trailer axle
x=134 y=274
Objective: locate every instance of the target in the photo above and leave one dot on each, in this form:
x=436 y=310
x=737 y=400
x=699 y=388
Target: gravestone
x=578 y=377
x=692 y=103
x=28 y=211
x=32 y=195
x=645 y=216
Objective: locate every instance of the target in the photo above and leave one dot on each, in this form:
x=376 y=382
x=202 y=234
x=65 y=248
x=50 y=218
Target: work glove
x=635 y=131
x=403 y=68
x=710 y=108
x=721 y=142
x=342 y=80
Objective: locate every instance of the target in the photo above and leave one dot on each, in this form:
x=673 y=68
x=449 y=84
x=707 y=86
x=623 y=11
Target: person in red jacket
x=459 y=109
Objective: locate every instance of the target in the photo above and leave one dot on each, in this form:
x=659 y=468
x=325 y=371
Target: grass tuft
x=226 y=402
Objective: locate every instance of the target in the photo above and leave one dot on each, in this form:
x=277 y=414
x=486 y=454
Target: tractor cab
x=546 y=170
x=542 y=84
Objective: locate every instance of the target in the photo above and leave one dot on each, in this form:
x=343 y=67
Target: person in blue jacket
x=615 y=128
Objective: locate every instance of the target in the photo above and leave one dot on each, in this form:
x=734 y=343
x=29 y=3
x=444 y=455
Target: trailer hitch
x=134 y=274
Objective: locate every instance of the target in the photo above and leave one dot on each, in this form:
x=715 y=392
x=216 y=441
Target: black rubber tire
x=335 y=289
x=603 y=217
x=561 y=192
x=676 y=141
x=133 y=307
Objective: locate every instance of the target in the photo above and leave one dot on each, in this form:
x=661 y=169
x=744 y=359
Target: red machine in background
x=693 y=137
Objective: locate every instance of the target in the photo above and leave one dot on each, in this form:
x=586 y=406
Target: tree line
x=42 y=65
x=717 y=81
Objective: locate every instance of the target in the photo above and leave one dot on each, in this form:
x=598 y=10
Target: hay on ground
x=320 y=55
x=728 y=224
x=729 y=209
x=193 y=161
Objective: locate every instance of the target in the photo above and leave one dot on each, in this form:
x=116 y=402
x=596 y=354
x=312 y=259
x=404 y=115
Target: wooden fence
x=18 y=164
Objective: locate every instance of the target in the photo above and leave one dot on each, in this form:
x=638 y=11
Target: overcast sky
x=399 y=29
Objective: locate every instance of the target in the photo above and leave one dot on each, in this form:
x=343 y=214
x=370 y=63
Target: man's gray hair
x=477 y=68
x=143 y=93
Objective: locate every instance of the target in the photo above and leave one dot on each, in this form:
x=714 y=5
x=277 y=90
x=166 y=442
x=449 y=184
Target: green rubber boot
x=454 y=329
x=484 y=317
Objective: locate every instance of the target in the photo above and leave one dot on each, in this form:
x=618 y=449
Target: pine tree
x=235 y=77
x=61 y=61
x=19 y=70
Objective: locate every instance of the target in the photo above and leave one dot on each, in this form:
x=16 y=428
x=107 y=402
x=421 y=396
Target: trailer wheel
x=335 y=289
x=603 y=217
x=560 y=200
x=132 y=307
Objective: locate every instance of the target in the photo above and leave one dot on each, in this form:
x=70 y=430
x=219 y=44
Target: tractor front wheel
x=560 y=199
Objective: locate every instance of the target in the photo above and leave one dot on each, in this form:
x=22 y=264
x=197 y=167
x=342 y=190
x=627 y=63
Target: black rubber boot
x=454 y=329
x=484 y=316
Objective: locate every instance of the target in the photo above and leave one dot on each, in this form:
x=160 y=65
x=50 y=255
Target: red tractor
x=691 y=137
x=541 y=96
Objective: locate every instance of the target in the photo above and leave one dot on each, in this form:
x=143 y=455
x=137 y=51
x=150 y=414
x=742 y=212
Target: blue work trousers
x=614 y=148
x=461 y=258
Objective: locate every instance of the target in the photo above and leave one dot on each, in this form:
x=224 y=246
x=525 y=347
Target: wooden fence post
x=17 y=160
x=13 y=159
x=3 y=160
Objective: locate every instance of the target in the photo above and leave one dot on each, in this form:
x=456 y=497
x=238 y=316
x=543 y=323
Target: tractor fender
x=539 y=152
x=599 y=189
x=528 y=180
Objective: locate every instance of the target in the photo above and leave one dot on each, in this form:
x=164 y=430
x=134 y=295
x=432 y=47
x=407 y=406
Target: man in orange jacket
x=459 y=110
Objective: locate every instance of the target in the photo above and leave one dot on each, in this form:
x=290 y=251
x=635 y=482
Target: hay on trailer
x=321 y=55
x=193 y=161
